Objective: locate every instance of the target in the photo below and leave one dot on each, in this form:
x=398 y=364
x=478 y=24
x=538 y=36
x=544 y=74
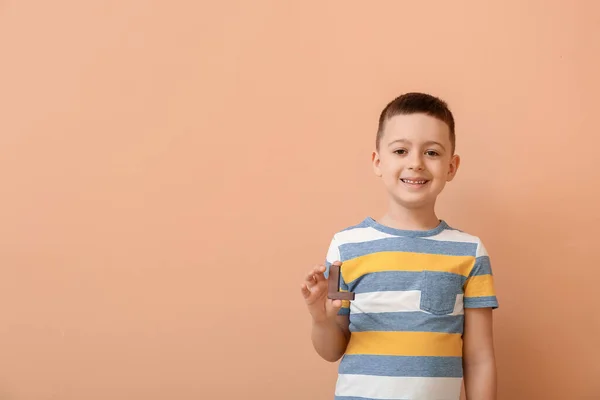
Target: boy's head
x=417 y=103
x=415 y=149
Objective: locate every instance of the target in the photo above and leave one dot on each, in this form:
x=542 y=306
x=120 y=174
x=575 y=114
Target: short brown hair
x=415 y=103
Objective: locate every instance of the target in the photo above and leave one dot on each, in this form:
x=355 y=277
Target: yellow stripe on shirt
x=405 y=343
x=405 y=261
x=345 y=303
x=480 y=286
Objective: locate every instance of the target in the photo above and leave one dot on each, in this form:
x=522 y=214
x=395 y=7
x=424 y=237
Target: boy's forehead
x=416 y=127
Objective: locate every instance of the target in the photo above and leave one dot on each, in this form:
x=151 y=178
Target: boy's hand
x=314 y=291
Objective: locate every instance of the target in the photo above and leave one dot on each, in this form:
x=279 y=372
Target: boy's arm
x=330 y=338
x=479 y=361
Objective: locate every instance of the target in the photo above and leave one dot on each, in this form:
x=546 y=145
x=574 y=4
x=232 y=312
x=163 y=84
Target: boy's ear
x=454 y=163
x=376 y=161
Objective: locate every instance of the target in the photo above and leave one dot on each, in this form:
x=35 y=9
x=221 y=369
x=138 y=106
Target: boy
x=421 y=319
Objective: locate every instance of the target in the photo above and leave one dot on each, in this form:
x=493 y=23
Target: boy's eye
x=400 y=151
x=432 y=153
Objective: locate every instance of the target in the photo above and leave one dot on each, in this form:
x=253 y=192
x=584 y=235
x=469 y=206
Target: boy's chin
x=413 y=202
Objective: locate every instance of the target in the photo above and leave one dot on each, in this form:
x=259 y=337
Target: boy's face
x=415 y=159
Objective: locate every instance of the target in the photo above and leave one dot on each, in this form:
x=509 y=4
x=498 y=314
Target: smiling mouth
x=415 y=181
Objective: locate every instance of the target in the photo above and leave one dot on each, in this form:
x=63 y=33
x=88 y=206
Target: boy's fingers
x=319 y=271
x=315 y=270
x=305 y=291
x=310 y=278
x=335 y=306
x=308 y=290
x=315 y=275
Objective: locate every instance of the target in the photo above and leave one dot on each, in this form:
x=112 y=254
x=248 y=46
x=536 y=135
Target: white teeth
x=417 y=182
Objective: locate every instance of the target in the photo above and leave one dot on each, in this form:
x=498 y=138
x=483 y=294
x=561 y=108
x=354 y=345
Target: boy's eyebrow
x=426 y=143
x=398 y=141
x=434 y=142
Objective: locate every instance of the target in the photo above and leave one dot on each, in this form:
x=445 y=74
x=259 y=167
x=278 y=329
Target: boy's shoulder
x=458 y=234
x=355 y=231
x=362 y=224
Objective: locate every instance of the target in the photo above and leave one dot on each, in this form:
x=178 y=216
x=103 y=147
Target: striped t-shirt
x=406 y=321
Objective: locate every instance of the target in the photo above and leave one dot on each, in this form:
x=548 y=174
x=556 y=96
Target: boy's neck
x=404 y=219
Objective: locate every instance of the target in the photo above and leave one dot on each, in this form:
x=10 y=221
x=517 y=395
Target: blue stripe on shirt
x=404 y=366
x=408 y=244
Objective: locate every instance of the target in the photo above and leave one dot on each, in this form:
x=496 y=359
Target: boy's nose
x=416 y=164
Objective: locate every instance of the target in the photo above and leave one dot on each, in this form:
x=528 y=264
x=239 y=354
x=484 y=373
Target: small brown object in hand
x=334 y=285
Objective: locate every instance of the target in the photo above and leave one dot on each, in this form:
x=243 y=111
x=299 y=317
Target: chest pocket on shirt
x=439 y=291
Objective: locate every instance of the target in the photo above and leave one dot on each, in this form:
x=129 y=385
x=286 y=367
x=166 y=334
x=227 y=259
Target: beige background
x=170 y=170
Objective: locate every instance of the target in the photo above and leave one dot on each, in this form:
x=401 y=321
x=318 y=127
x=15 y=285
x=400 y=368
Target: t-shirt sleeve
x=333 y=255
x=479 y=286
